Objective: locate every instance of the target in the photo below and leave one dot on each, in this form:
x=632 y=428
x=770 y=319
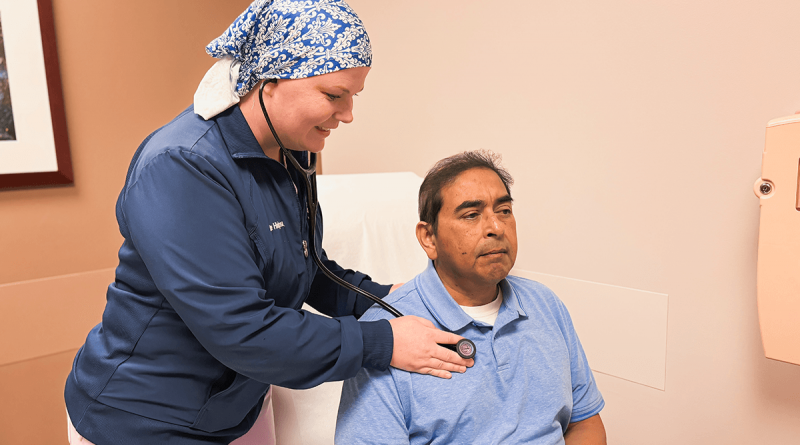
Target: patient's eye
x=504 y=211
x=471 y=215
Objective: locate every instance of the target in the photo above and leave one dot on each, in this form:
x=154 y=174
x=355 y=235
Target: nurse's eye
x=332 y=97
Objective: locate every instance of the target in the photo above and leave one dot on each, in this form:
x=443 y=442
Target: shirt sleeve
x=586 y=398
x=188 y=227
x=371 y=411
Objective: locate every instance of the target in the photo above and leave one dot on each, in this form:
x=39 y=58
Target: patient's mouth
x=494 y=253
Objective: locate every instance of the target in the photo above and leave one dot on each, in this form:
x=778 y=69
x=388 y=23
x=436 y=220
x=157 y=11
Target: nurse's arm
x=586 y=432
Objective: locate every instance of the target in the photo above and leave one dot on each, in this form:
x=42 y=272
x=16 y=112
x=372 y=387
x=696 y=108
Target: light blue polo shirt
x=530 y=379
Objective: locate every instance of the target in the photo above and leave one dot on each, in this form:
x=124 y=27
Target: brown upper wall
x=127 y=68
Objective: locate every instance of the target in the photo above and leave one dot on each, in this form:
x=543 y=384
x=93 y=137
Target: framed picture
x=34 y=148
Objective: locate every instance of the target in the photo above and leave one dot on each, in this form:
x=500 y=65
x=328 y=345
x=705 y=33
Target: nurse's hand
x=416 y=348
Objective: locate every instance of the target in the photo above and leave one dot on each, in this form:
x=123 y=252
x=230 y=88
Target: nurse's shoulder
x=187 y=143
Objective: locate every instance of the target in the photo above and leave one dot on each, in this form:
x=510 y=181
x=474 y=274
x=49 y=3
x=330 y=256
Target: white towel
x=217 y=91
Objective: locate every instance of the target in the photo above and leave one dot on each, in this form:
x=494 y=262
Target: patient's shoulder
x=534 y=293
x=405 y=299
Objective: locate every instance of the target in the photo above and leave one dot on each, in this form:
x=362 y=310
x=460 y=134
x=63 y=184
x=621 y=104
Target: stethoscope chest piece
x=465 y=348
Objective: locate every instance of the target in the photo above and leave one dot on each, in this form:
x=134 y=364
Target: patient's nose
x=494 y=226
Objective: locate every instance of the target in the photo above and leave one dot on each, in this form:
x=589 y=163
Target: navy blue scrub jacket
x=203 y=313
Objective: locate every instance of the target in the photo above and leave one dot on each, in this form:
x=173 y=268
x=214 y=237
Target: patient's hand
x=416 y=348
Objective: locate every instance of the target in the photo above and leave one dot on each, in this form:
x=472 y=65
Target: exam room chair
x=374 y=233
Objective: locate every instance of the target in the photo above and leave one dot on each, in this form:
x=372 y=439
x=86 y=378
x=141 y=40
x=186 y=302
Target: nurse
x=204 y=314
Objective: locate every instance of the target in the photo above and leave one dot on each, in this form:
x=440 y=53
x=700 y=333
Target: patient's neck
x=469 y=293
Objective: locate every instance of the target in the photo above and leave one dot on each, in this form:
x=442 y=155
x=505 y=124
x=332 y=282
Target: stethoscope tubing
x=309 y=177
x=464 y=348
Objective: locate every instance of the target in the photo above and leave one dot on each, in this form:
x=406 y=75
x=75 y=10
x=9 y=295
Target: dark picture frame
x=63 y=173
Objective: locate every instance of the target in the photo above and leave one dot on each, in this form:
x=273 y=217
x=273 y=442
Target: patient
x=531 y=382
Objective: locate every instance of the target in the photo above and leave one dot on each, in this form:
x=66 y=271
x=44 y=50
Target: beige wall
x=127 y=68
x=634 y=131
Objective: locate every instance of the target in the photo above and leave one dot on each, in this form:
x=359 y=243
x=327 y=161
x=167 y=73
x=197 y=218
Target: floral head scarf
x=292 y=39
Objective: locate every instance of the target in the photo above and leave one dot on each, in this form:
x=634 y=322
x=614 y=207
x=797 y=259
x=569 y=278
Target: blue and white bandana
x=281 y=39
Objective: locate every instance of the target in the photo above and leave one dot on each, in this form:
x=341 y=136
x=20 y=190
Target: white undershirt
x=488 y=312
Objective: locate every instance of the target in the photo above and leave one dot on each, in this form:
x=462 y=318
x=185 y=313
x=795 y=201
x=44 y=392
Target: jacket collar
x=240 y=139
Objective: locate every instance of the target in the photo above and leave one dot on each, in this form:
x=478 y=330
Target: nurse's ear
x=427 y=239
x=250 y=106
x=269 y=86
x=250 y=100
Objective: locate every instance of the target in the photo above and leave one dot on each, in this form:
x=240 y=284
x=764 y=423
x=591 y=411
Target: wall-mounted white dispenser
x=778 y=273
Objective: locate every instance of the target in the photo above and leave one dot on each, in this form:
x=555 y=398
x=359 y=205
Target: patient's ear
x=427 y=239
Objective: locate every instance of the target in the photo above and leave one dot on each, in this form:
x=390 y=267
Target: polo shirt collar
x=511 y=298
x=444 y=308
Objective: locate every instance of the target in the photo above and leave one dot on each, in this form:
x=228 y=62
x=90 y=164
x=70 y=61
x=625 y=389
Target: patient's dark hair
x=444 y=172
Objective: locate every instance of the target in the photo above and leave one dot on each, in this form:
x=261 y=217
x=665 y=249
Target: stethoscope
x=465 y=348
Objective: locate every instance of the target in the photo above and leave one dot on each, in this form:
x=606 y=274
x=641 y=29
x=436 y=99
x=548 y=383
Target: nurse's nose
x=345 y=115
